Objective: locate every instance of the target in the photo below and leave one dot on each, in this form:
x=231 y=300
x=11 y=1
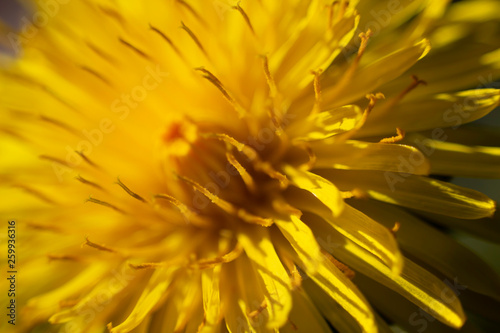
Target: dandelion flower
x=253 y=166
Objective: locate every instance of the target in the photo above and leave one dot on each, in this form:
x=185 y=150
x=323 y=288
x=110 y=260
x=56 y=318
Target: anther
x=59 y=123
x=62 y=257
x=96 y=74
x=269 y=78
x=395 y=228
x=168 y=40
x=216 y=82
x=400 y=136
x=134 y=48
x=416 y=82
x=193 y=37
x=341 y=266
x=245 y=17
x=97 y=246
x=247 y=178
x=191 y=10
x=88 y=182
x=261 y=308
x=105 y=204
x=86 y=159
x=317 y=91
x=130 y=192
x=226 y=258
x=36 y=193
x=55 y=160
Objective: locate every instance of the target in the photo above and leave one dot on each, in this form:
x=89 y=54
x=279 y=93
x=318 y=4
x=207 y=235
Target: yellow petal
x=243 y=296
x=434 y=112
x=368 y=78
x=439 y=251
x=336 y=285
x=274 y=278
x=357 y=155
x=305 y=318
x=321 y=188
x=153 y=293
x=325 y=124
x=459 y=160
x=416 y=192
x=210 y=280
x=302 y=240
x=108 y=287
x=363 y=231
x=414 y=283
x=179 y=304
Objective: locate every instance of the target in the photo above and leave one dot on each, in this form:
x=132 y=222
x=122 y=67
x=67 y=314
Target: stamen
x=252 y=156
x=227 y=206
x=56 y=160
x=98 y=246
x=35 y=193
x=193 y=37
x=330 y=9
x=296 y=278
x=355 y=193
x=99 y=52
x=255 y=313
x=216 y=82
x=226 y=258
x=86 y=159
x=68 y=303
x=168 y=40
x=247 y=178
x=88 y=182
x=185 y=210
x=134 y=48
x=151 y=265
x=96 y=74
x=268 y=169
x=416 y=82
x=246 y=150
x=245 y=17
x=44 y=227
x=364 y=42
x=59 y=124
x=373 y=98
x=342 y=267
x=284 y=207
x=394 y=139
x=63 y=257
x=349 y=73
x=395 y=228
x=132 y=194
x=105 y=204
x=310 y=153
x=269 y=78
x=317 y=91
x=191 y=10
